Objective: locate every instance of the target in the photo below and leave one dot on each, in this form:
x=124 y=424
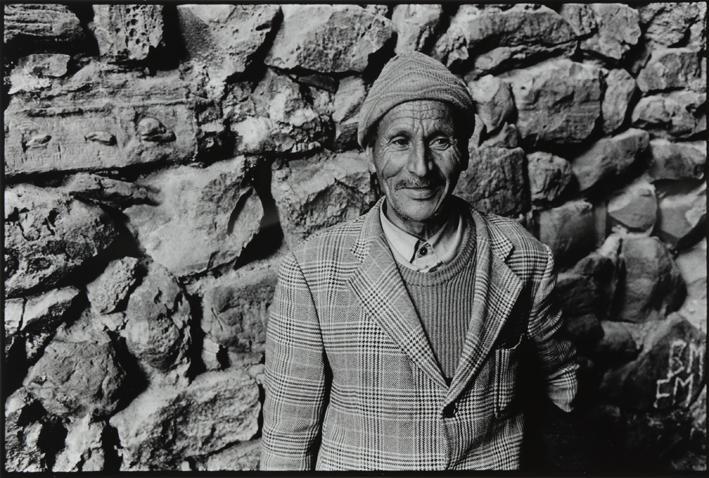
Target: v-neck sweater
x=444 y=301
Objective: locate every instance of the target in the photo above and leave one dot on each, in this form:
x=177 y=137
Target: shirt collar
x=443 y=245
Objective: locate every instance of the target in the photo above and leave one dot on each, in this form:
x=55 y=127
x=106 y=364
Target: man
x=395 y=340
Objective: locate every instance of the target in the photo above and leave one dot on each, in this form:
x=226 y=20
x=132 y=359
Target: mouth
x=421 y=193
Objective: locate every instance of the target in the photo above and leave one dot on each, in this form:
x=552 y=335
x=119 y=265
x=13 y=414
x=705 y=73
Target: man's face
x=418 y=154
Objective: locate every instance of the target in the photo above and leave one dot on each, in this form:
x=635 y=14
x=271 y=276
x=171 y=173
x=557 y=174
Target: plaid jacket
x=351 y=380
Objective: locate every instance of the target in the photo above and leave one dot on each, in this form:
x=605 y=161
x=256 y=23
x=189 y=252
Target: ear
x=369 y=153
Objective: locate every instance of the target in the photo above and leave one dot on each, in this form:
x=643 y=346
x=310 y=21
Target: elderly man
x=395 y=340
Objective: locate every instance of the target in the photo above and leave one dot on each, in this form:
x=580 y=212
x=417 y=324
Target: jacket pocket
x=506 y=377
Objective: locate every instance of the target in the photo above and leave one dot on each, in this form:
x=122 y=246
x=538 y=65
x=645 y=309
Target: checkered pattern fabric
x=352 y=382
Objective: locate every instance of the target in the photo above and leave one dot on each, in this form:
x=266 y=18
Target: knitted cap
x=408 y=77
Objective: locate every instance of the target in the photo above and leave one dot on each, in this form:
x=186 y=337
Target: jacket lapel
x=494 y=294
x=381 y=290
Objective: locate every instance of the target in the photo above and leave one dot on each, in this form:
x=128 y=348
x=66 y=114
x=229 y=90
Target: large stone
x=225 y=38
x=558 y=101
x=38 y=71
x=652 y=285
x=328 y=38
x=277 y=116
x=98 y=120
x=235 y=309
x=128 y=33
x=44 y=312
x=609 y=157
x=48 y=25
x=493 y=101
x=667 y=375
x=677 y=114
x=671 y=68
x=581 y=17
x=618 y=30
x=157 y=330
x=568 y=229
x=682 y=212
x=163 y=427
x=475 y=28
x=48 y=236
x=549 y=176
x=495 y=181
x=22 y=435
x=620 y=87
x=670 y=160
x=108 y=292
x=111 y=192
x=634 y=207
x=672 y=24
x=617 y=344
x=239 y=457
x=215 y=207
x=316 y=193
x=692 y=266
x=84 y=447
x=78 y=374
x=506 y=137
x=415 y=26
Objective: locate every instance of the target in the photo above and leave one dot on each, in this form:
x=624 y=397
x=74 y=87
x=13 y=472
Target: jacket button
x=449 y=411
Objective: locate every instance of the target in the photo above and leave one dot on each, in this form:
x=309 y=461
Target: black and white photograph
x=420 y=237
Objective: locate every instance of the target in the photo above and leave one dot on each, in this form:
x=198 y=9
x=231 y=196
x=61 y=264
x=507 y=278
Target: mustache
x=417 y=183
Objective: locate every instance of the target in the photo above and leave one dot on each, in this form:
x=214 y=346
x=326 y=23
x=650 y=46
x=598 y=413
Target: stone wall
x=159 y=161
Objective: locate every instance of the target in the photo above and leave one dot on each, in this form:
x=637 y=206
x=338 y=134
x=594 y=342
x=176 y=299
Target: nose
x=418 y=160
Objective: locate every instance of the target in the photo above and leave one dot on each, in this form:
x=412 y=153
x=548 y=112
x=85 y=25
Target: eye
x=399 y=141
x=441 y=142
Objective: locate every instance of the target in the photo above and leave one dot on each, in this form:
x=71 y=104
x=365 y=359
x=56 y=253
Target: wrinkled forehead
x=419 y=114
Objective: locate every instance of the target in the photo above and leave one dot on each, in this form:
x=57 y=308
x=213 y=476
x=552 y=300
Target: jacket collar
x=383 y=295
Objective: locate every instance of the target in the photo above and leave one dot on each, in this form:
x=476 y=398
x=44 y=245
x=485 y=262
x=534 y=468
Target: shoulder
x=333 y=243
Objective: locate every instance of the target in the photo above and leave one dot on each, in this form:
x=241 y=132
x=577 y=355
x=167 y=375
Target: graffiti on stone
x=685 y=374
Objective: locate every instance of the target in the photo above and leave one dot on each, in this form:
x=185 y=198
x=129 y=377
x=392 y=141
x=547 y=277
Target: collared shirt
x=424 y=255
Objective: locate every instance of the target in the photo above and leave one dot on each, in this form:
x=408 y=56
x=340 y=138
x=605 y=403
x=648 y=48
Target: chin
x=418 y=210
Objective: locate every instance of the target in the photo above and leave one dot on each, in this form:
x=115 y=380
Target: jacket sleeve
x=557 y=355
x=295 y=375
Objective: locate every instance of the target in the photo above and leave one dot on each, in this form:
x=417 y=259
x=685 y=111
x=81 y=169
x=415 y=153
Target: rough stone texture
x=38 y=71
x=225 y=38
x=108 y=292
x=493 y=101
x=128 y=33
x=111 y=192
x=49 y=235
x=216 y=410
x=328 y=38
x=12 y=313
x=549 y=176
x=692 y=266
x=617 y=30
x=671 y=68
x=666 y=375
x=308 y=201
x=617 y=343
x=415 y=25
x=495 y=181
x=673 y=115
x=44 y=312
x=78 y=375
x=348 y=98
x=47 y=25
x=241 y=457
x=652 y=285
x=568 y=229
x=681 y=213
x=97 y=120
x=620 y=87
x=506 y=137
x=672 y=24
x=278 y=115
x=609 y=157
x=585 y=330
x=215 y=207
x=235 y=310
x=84 y=447
x=557 y=101
x=512 y=30
x=22 y=450
x=670 y=160
x=157 y=330
x=634 y=207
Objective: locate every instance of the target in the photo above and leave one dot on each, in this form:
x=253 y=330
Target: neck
x=420 y=229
